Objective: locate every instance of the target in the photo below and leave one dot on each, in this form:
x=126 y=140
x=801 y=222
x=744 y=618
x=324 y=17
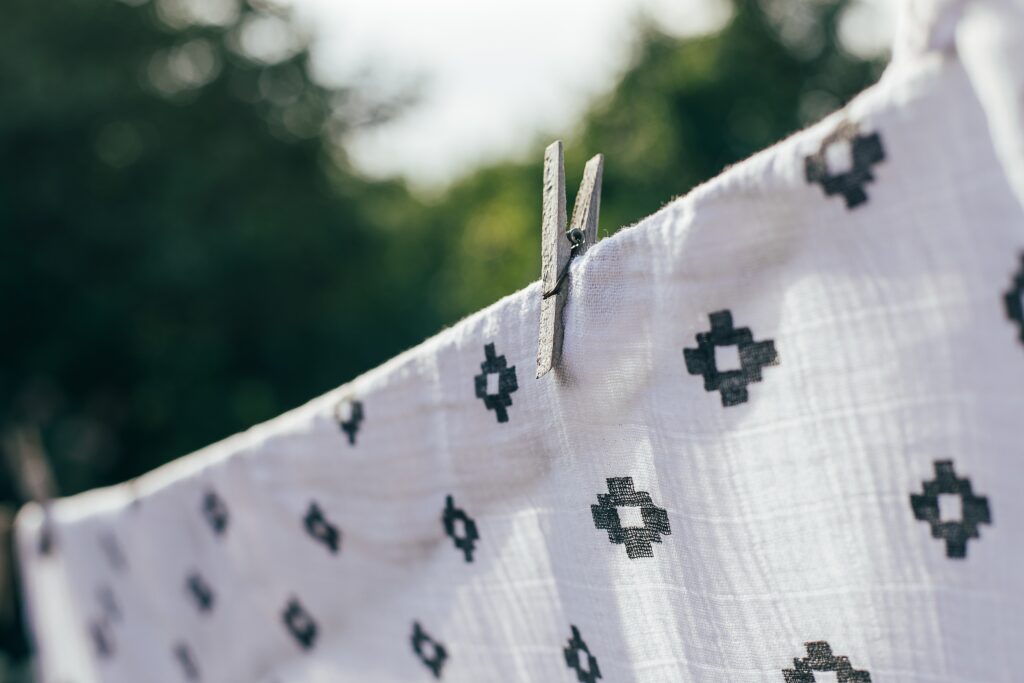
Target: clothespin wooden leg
x=588 y=202
x=559 y=246
x=554 y=254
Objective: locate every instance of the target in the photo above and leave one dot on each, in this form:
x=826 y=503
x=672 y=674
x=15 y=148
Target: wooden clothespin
x=559 y=246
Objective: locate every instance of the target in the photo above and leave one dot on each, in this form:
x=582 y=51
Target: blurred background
x=215 y=210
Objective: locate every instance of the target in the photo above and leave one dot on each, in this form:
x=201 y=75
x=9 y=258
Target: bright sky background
x=495 y=75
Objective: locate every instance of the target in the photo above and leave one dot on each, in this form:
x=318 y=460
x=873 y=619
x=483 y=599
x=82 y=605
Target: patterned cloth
x=783 y=444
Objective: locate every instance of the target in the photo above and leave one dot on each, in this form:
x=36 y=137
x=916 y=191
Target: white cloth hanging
x=783 y=443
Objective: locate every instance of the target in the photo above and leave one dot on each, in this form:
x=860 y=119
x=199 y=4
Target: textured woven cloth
x=783 y=443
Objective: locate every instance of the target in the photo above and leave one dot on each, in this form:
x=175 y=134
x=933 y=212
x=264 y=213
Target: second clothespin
x=559 y=245
x=33 y=475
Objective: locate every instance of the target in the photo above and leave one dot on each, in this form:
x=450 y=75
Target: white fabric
x=790 y=514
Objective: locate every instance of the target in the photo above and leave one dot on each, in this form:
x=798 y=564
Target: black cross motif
x=974 y=509
x=429 y=651
x=467 y=541
x=820 y=658
x=349 y=414
x=578 y=658
x=507 y=383
x=1013 y=301
x=638 y=539
x=200 y=591
x=183 y=654
x=112 y=550
x=731 y=382
x=865 y=151
x=216 y=512
x=300 y=624
x=102 y=640
x=319 y=528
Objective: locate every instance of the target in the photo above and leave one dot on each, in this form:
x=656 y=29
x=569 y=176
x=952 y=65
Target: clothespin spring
x=577 y=239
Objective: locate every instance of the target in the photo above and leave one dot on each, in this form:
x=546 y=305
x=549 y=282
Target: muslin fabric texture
x=783 y=443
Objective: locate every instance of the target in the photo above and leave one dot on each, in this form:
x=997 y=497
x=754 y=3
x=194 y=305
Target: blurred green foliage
x=186 y=250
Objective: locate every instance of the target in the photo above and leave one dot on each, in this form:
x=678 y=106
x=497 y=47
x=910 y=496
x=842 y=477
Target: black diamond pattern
x=183 y=654
x=974 y=509
x=349 y=414
x=112 y=550
x=200 y=591
x=102 y=640
x=466 y=542
x=428 y=650
x=820 y=658
x=753 y=356
x=507 y=383
x=319 y=528
x=46 y=539
x=638 y=540
x=1013 y=301
x=216 y=512
x=865 y=152
x=579 y=659
x=300 y=624
x=108 y=603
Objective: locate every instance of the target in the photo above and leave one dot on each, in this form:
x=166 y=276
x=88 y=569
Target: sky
x=494 y=77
